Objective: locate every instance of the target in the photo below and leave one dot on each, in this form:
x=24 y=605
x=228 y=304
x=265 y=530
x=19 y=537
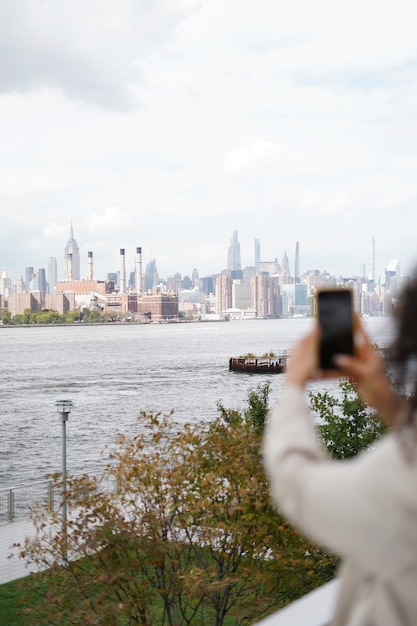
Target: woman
x=364 y=509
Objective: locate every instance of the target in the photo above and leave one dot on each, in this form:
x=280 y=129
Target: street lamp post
x=64 y=409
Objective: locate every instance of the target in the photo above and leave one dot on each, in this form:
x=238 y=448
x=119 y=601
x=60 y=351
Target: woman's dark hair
x=404 y=349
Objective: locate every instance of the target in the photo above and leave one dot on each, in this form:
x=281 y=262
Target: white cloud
x=175 y=121
x=52 y=230
x=86 y=49
x=254 y=160
x=111 y=220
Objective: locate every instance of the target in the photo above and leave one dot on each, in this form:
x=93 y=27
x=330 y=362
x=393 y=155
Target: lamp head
x=64 y=405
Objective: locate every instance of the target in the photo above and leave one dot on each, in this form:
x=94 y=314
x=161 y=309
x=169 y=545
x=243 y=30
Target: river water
x=112 y=372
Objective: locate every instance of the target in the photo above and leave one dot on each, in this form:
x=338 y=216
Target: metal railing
x=17 y=502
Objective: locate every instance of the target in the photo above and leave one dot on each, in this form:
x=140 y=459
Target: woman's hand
x=366 y=368
x=302 y=365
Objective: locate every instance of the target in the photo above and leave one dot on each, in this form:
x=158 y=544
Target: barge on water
x=259 y=364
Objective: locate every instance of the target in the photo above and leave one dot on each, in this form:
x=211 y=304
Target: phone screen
x=335 y=315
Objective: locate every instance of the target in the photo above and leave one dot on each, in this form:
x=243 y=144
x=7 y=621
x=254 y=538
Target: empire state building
x=72 y=258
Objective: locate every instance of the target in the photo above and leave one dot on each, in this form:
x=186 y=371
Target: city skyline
x=76 y=265
x=170 y=125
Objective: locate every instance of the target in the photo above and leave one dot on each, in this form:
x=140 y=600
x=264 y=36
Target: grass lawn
x=11 y=604
x=10 y=595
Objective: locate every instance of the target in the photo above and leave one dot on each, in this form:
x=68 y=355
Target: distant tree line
x=51 y=316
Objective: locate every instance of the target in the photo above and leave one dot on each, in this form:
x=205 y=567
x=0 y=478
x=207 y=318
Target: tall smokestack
x=138 y=271
x=122 y=282
x=90 y=266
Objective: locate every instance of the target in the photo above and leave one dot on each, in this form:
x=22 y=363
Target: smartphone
x=335 y=317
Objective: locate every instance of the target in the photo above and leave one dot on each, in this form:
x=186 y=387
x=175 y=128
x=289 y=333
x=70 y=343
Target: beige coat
x=364 y=509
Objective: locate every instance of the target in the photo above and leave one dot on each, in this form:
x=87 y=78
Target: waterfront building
x=223 y=292
x=266 y=295
x=60 y=302
x=86 y=292
x=157 y=306
x=84 y=286
x=72 y=258
x=241 y=294
x=17 y=303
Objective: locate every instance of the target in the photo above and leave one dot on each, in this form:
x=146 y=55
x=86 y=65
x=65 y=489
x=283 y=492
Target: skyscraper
x=257 y=254
x=297 y=263
x=285 y=276
x=42 y=279
x=151 y=275
x=52 y=273
x=72 y=258
x=371 y=260
x=233 y=255
x=28 y=276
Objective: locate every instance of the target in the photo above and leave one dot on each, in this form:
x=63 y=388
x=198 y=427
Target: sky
x=169 y=124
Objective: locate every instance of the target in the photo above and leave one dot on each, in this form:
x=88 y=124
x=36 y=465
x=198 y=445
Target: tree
x=112 y=316
x=46 y=317
x=95 y=317
x=255 y=412
x=27 y=316
x=85 y=313
x=6 y=317
x=188 y=527
x=347 y=425
x=72 y=316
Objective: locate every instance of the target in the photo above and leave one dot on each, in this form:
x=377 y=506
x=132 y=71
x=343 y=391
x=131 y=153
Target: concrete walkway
x=12 y=533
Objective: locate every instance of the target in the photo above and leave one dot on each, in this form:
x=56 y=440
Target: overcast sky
x=168 y=124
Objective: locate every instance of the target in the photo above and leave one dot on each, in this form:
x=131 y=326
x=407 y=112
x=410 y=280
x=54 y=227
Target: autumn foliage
x=178 y=530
